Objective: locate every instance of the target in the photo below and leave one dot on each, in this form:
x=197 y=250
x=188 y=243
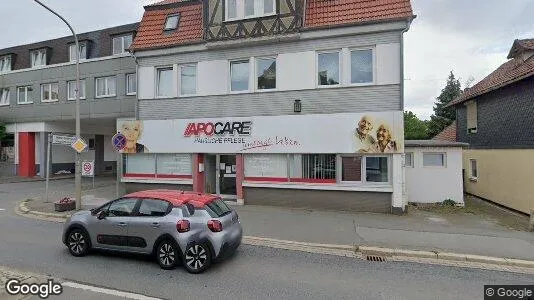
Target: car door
x=111 y=232
x=147 y=224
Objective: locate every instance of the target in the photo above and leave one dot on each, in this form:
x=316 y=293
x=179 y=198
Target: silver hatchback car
x=174 y=226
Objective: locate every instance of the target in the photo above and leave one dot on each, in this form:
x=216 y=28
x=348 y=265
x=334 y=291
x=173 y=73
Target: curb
x=354 y=251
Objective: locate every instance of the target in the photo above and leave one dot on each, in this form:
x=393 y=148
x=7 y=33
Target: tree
x=444 y=116
x=414 y=128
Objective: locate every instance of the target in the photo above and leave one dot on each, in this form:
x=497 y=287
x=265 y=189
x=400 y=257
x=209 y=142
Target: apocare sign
x=319 y=133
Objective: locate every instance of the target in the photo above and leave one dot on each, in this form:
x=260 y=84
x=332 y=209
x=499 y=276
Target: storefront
x=349 y=160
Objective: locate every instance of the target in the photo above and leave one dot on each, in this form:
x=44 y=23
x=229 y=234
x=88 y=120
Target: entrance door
x=220 y=170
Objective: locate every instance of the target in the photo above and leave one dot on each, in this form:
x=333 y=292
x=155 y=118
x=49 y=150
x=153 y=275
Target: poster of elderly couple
x=380 y=132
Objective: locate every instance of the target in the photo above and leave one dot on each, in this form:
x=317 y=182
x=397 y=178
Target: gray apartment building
x=38 y=93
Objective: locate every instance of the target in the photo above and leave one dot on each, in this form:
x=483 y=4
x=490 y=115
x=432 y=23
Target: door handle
x=155 y=224
x=122 y=224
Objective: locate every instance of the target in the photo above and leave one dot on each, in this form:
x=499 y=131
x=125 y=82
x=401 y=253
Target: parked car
x=174 y=226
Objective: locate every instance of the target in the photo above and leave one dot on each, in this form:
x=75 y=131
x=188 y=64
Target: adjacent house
x=496 y=118
x=292 y=103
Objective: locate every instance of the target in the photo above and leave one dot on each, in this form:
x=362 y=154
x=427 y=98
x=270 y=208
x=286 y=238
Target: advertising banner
x=381 y=132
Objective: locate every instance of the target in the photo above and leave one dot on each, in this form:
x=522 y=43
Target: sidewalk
x=479 y=229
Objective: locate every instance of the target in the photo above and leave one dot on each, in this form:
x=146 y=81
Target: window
x=242 y=9
x=140 y=164
x=153 y=208
x=408 y=159
x=71 y=89
x=219 y=208
x=313 y=167
x=266 y=165
x=172 y=22
x=239 y=74
x=38 y=57
x=24 y=94
x=122 y=208
x=165 y=82
x=82 y=51
x=474 y=170
x=49 y=92
x=471 y=117
x=121 y=44
x=174 y=164
x=5 y=63
x=352 y=168
x=266 y=73
x=361 y=66
x=4 y=97
x=106 y=86
x=433 y=159
x=188 y=80
x=376 y=169
x=328 y=68
x=131 y=84
x=91 y=144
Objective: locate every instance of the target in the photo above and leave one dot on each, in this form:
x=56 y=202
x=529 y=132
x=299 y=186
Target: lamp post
x=77 y=175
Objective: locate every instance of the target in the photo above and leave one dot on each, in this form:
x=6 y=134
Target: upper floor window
x=5 y=63
x=121 y=44
x=49 y=92
x=24 y=94
x=82 y=51
x=361 y=66
x=38 y=57
x=131 y=84
x=106 y=86
x=239 y=74
x=266 y=73
x=471 y=117
x=188 y=80
x=328 y=68
x=4 y=97
x=242 y=9
x=172 y=22
x=165 y=82
x=71 y=89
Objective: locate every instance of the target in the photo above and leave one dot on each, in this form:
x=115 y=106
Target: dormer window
x=122 y=43
x=244 y=9
x=82 y=49
x=5 y=63
x=172 y=22
x=38 y=57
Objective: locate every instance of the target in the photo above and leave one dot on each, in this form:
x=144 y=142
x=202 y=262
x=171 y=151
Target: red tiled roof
x=321 y=13
x=509 y=72
x=448 y=134
x=150 y=34
x=175 y=197
x=165 y=2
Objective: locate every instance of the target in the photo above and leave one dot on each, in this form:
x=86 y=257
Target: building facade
x=495 y=118
x=271 y=102
x=38 y=93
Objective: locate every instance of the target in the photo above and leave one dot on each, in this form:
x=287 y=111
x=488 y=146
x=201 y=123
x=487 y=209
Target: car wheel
x=167 y=255
x=78 y=242
x=197 y=258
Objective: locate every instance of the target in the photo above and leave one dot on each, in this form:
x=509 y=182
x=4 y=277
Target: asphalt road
x=253 y=273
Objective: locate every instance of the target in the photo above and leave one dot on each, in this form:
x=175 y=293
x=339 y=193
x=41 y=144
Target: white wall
x=435 y=184
x=145 y=84
x=388 y=63
x=296 y=71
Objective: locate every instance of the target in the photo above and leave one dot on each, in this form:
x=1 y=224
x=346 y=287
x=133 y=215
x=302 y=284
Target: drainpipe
x=404 y=191
x=137 y=86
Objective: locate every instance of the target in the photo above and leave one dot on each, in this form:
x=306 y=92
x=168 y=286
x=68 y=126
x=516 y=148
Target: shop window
x=144 y=164
x=266 y=165
x=174 y=164
x=352 y=168
x=313 y=167
x=376 y=169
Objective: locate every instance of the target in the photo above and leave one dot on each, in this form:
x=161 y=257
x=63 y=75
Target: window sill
x=131 y=94
x=6 y=104
x=330 y=86
x=330 y=187
x=157 y=180
x=74 y=99
x=361 y=84
x=49 y=101
x=22 y=103
x=106 y=96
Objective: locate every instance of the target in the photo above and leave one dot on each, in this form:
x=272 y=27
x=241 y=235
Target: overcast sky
x=470 y=38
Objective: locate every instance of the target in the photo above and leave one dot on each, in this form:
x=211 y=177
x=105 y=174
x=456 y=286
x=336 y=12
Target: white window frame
x=82 y=85
x=240 y=10
x=7 y=98
x=156 y=79
x=340 y=73
x=255 y=67
x=471 y=176
x=25 y=95
x=128 y=92
x=349 y=66
x=411 y=154
x=363 y=181
x=43 y=55
x=248 y=90
x=49 y=85
x=5 y=61
x=439 y=167
x=105 y=78
x=83 y=55
x=122 y=37
x=176 y=15
x=180 y=80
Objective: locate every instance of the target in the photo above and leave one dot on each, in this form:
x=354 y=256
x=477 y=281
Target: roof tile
x=448 y=134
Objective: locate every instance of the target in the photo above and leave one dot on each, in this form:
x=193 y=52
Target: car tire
x=167 y=254
x=197 y=258
x=78 y=242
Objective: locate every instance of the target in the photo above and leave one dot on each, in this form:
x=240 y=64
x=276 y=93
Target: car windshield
x=219 y=207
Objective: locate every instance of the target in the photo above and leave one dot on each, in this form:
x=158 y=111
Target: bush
x=448 y=202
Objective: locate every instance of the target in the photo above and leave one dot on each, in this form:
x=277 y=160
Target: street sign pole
x=119 y=142
x=48 y=163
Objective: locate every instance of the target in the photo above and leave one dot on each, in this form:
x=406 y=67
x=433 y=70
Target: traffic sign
x=88 y=168
x=79 y=145
x=119 y=141
x=63 y=139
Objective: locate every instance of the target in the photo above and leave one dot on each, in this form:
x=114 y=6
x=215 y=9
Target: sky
x=470 y=38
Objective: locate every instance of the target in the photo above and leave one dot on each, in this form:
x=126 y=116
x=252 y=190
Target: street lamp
x=77 y=170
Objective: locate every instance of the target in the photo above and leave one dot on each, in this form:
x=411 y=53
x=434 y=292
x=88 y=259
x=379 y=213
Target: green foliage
x=448 y=202
x=414 y=128
x=444 y=116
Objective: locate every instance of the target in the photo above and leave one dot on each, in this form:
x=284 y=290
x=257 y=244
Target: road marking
x=2 y=209
x=107 y=291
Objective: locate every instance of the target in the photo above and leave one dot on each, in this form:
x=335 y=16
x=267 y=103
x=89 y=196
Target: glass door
x=226 y=176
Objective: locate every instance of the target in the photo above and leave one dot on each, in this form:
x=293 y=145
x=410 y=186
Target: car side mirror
x=101 y=215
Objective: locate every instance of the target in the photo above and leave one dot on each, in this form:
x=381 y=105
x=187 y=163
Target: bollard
x=531 y=222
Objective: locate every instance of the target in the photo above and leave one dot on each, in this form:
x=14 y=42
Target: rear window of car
x=219 y=207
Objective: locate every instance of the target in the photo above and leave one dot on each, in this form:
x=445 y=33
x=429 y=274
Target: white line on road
x=2 y=209
x=107 y=291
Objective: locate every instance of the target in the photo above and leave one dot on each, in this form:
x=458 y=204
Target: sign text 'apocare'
x=211 y=129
